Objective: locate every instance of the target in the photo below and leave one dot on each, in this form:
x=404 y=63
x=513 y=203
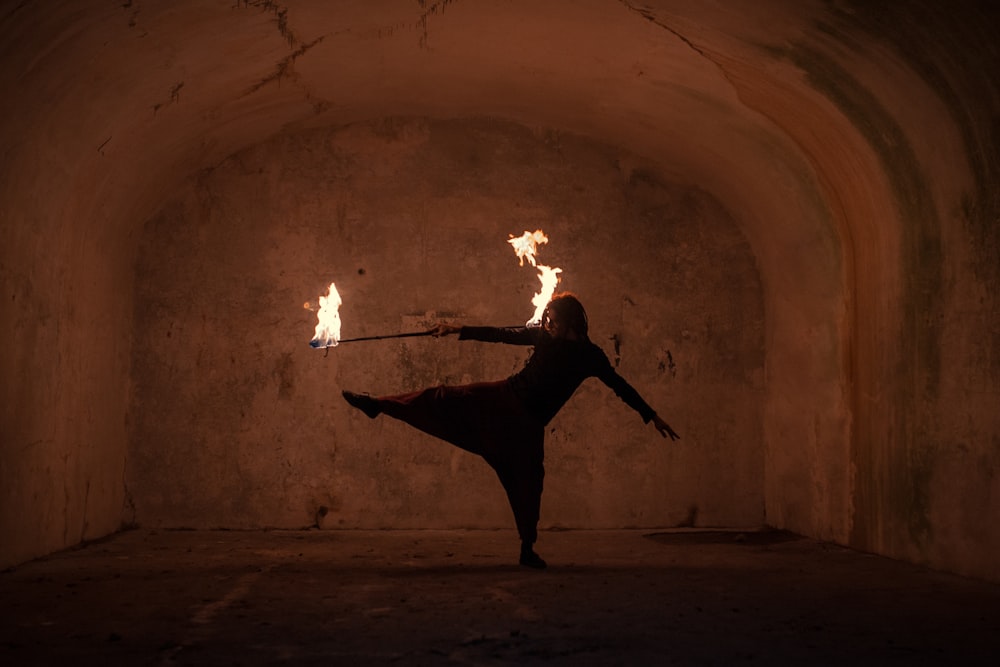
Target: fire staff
x=504 y=422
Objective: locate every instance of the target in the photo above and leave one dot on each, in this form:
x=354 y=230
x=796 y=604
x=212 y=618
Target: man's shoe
x=363 y=402
x=530 y=559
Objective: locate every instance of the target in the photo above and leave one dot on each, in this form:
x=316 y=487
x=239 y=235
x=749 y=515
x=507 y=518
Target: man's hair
x=568 y=310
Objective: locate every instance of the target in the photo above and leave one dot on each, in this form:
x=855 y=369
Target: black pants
x=489 y=420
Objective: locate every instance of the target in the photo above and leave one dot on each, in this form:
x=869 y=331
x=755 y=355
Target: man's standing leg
x=522 y=480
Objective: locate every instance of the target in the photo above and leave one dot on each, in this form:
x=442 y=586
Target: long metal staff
x=402 y=335
x=412 y=334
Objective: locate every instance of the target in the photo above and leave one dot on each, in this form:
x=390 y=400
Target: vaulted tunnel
x=780 y=216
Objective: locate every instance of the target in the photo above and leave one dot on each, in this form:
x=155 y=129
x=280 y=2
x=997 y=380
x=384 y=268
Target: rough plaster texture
x=410 y=217
x=853 y=145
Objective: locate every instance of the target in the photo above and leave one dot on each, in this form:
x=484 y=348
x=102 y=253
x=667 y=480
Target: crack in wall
x=649 y=16
x=280 y=14
x=422 y=21
x=283 y=66
x=175 y=97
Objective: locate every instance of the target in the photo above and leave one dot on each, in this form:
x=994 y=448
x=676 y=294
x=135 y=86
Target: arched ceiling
x=165 y=90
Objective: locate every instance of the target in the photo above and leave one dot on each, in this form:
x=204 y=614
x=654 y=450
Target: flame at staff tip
x=525 y=246
x=328 y=328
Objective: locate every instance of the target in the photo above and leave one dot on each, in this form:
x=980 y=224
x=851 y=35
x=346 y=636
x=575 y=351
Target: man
x=504 y=421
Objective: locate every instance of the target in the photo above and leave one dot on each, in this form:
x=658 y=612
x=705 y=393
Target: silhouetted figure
x=504 y=422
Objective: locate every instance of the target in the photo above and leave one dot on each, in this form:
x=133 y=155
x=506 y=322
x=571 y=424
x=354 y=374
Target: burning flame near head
x=525 y=247
x=328 y=328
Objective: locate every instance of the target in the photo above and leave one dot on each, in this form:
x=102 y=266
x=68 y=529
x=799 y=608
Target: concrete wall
x=853 y=148
x=238 y=422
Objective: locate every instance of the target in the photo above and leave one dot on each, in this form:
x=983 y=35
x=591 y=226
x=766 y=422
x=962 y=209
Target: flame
x=549 y=278
x=328 y=328
x=525 y=247
x=526 y=244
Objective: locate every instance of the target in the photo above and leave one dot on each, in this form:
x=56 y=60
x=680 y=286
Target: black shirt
x=556 y=368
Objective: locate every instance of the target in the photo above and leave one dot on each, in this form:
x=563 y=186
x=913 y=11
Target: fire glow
x=525 y=247
x=328 y=314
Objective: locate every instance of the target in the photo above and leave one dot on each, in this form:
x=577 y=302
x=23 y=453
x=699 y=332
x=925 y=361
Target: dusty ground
x=455 y=597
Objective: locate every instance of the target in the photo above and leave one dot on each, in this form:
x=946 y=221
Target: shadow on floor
x=748 y=537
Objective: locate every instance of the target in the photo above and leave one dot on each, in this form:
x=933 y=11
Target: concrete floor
x=456 y=598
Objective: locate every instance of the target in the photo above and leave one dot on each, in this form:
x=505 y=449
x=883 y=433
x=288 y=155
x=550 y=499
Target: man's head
x=565 y=317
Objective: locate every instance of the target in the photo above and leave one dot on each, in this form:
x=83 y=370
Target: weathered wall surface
x=236 y=421
x=925 y=452
x=854 y=146
x=65 y=322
